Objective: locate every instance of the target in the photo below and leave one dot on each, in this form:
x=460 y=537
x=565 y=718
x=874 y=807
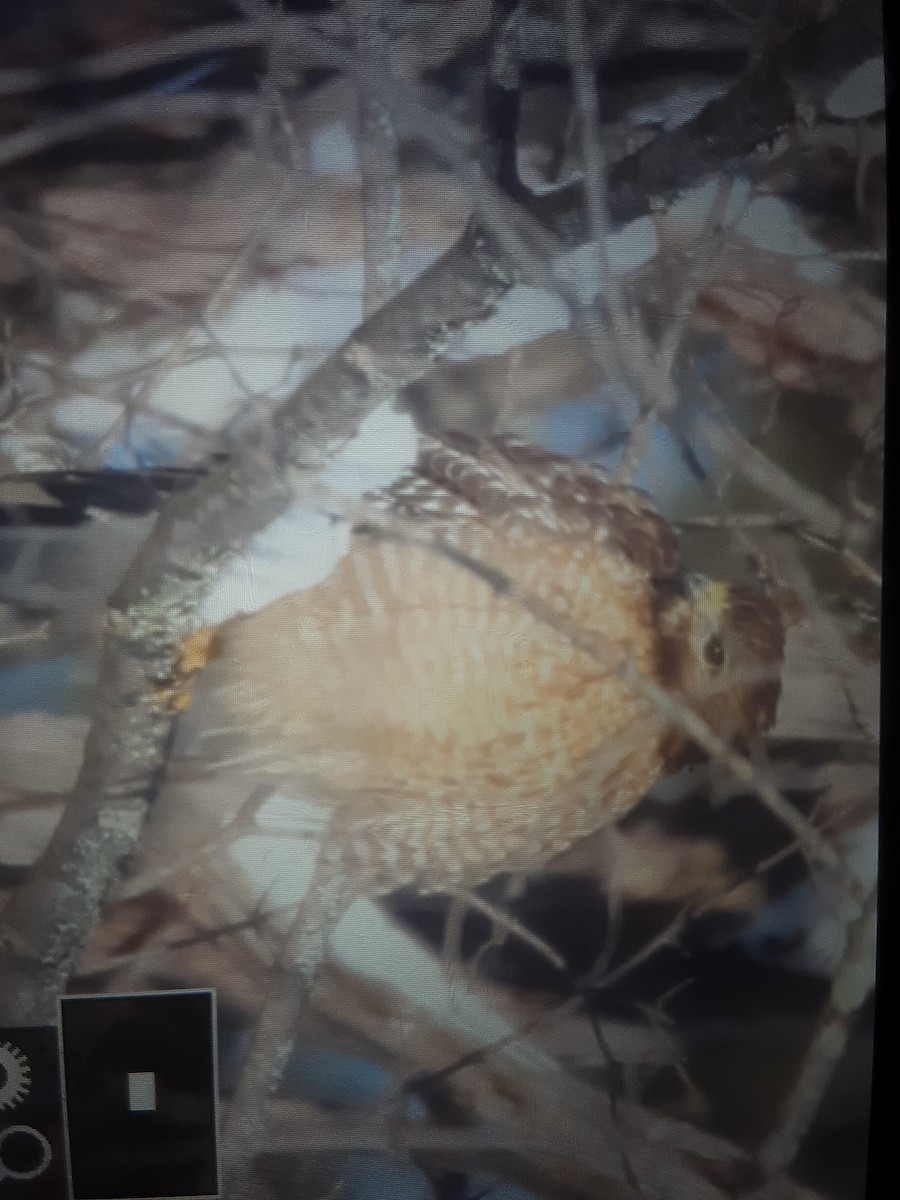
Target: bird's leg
x=176 y=692
x=288 y=990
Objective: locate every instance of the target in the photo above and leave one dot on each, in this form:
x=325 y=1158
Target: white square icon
x=142 y=1091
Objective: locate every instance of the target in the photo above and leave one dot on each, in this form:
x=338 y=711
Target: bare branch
x=728 y=444
x=851 y=985
x=595 y=169
x=760 y=105
x=671 y=709
x=130 y=109
x=45 y=924
x=378 y=147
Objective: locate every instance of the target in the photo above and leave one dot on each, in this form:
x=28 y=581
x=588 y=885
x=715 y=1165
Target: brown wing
x=451 y=729
x=507 y=482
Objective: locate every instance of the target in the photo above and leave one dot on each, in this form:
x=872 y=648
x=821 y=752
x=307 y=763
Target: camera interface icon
x=32 y=1141
x=24 y=1152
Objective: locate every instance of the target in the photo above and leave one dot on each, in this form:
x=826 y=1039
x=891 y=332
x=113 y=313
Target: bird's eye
x=714 y=651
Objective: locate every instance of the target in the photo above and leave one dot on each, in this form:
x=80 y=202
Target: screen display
x=441 y=454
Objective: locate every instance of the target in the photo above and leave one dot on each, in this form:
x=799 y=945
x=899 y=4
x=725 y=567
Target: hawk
x=460 y=691
x=461 y=696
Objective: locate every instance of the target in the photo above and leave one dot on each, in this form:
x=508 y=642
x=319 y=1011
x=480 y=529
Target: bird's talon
x=196 y=651
x=177 y=693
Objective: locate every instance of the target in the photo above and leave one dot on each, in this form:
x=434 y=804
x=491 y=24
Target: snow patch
x=523 y=315
x=332 y=151
x=626 y=250
x=302 y=546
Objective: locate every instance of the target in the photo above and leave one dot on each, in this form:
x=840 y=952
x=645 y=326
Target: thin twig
x=850 y=986
x=659 y=391
x=600 y=977
x=378 y=157
x=718 y=434
x=44 y=925
x=129 y=110
x=508 y=923
x=829 y=634
x=230 y=35
x=608 y=285
x=287 y=992
x=671 y=709
x=704 y=253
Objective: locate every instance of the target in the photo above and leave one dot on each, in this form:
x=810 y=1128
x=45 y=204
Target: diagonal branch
x=850 y=986
x=45 y=924
x=761 y=105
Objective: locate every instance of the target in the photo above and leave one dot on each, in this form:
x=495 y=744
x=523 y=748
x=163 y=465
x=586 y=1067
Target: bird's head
x=724 y=647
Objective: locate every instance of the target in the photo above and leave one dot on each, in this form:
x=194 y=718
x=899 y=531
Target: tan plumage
x=453 y=731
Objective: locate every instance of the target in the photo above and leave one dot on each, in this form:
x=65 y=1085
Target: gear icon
x=15 y=1076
